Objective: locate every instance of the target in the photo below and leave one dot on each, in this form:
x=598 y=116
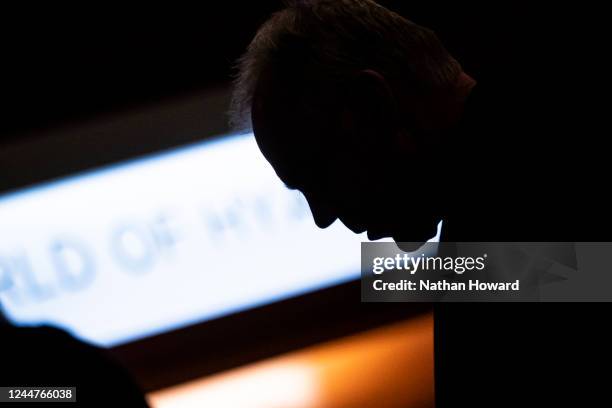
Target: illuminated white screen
x=159 y=243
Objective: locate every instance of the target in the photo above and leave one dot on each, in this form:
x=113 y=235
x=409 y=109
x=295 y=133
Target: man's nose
x=322 y=212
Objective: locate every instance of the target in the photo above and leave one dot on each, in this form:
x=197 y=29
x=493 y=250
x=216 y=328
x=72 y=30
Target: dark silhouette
x=371 y=118
x=47 y=356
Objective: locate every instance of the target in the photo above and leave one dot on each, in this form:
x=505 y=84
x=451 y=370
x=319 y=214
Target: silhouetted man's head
x=350 y=102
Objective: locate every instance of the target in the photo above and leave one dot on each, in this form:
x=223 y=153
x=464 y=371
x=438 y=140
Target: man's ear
x=370 y=109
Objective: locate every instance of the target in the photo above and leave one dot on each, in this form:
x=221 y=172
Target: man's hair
x=316 y=44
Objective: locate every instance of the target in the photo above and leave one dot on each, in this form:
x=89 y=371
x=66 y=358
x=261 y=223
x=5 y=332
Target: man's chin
x=409 y=246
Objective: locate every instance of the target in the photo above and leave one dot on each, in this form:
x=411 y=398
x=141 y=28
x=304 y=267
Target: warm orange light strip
x=385 y=368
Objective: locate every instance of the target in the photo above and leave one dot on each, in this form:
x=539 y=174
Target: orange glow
x=387 y=367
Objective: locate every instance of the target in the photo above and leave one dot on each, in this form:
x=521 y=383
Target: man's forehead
x=273 y=122
x=276 y=129
x=293 y=135
x=274 y=99
x=278 y=120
